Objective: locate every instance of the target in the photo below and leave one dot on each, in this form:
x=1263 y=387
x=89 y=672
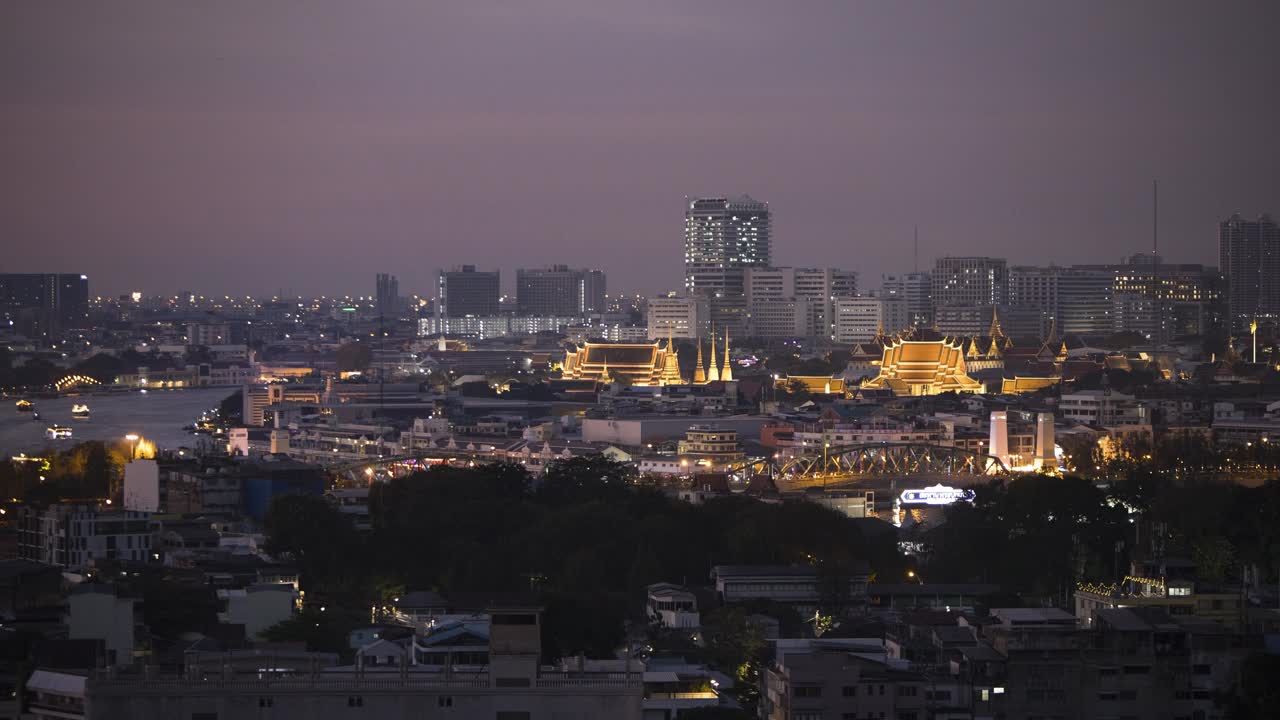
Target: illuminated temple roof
x=643 y=364
x=923 y=367
x=1019 y=385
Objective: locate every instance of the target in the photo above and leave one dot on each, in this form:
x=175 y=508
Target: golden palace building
x=641 y=364
x=924 y=367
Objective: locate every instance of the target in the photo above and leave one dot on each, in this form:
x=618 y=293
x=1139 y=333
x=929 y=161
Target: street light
x=133 y=445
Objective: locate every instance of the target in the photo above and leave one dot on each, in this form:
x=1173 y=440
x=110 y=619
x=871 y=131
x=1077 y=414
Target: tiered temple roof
x=924 y=367
x=644 y=364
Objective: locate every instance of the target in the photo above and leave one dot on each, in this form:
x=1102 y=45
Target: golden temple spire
x=699 y=375
x=605 y=378
x=727 y=373
x=994 y=350
x=671 y=363
x=713 y=372
x=995 y=331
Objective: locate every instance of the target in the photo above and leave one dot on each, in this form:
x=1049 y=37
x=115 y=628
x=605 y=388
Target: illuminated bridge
x=834 y=466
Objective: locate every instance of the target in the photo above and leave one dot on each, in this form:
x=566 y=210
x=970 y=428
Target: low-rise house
x=672 y=606
x=100 y=612
x=257 y=607
x=793 y=585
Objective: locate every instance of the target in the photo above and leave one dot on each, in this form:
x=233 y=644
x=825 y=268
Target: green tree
x=353 y=357
x=320 y=539
x=737 y=647
x=586 y=477
x=324 y=630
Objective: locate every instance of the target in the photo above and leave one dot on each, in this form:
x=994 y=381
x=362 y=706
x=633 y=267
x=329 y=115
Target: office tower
x=916 y=290
x=1164 y=300
x=817 y=287
x=1249 y=259
x=388 y=296
x=863 y=319
x=722 y=238
x=467 y=292
x=72 y=300
x=970 y=281
x=822 y=286
x=559 y=291
x=785 y=318
x=682 y=318
x=44 y=303
x=1033 y=291
x=1085 y=300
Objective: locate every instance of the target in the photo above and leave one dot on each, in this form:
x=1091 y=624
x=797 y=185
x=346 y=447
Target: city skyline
x=992 y=135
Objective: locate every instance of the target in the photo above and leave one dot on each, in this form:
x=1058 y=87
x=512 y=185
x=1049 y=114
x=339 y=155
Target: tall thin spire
x=995 y=330
x=713 y=372
x=699 y=374
x=727 y=373
x=670 y=371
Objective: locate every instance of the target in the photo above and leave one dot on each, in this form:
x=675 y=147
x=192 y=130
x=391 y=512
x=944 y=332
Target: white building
x=75 y=535
x=820 y=287
x=789 y=317
x=797 y=586
x=53 y=695
x=914 y=288
x=208 y=333
x=142 y=486
x=1103 y=407
x=680 y=317
x=512 y=684
x=257 y=607
x=673 y=606
x=859 y=319
x=97 y=612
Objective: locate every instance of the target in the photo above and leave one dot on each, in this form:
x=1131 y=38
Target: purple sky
x=253 y=147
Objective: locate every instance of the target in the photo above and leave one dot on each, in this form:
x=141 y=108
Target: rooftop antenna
x=915 y=248
x=1158 y=328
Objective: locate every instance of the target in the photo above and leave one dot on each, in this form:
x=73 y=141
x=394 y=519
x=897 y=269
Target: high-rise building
x=819 y=287
x=1165 y=300
x=1085 y=303
x=1034 y=290
x=788 y=317
x=559 y=290
x=861 y=319
x=467 y=292
x=594 y=289
x=388 y=296
x=1249 y=258
x=916 y=290
x=722 y=238
x=44 y=303
x=683 y=318
x=970 y=281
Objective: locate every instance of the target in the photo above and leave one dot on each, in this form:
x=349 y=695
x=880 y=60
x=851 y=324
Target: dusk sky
x=253 y=147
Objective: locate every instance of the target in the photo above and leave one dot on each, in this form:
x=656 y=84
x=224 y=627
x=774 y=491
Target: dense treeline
x=1041 y=535
x=86 y=470
x=586 y=541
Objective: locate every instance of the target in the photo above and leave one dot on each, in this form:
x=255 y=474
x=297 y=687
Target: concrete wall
x=142 y=486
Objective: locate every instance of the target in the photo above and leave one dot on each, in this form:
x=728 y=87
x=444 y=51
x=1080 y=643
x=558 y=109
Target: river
x=157 y=415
